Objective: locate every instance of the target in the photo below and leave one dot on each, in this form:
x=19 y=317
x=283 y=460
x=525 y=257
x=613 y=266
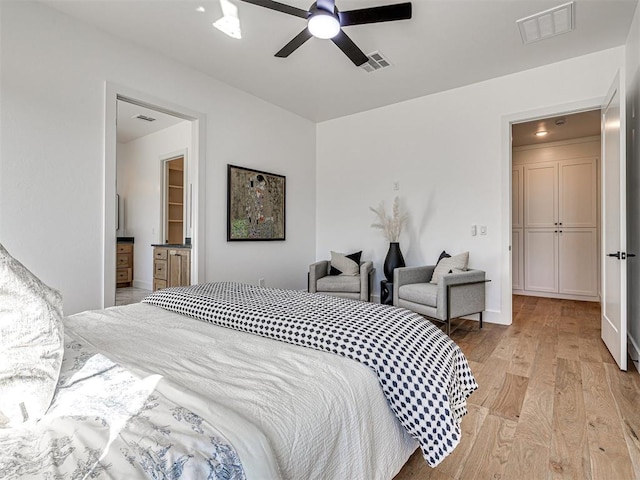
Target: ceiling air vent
x=376 y=62
x=144 y=117
x=549 y=23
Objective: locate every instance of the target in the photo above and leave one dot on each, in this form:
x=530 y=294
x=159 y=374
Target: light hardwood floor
x=552 y=404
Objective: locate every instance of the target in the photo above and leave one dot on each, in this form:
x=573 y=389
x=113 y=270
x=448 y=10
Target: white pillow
x=443 y=267
x=31 y=343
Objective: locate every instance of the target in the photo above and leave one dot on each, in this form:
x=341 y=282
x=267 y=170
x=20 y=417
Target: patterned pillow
x=31 y=343
x=445 y=265
x=342 y=264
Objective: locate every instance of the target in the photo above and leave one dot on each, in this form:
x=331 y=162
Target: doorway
x=134 y=175
x=555 y=222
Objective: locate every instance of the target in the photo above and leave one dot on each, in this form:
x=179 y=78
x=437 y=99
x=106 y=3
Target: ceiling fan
x=325 y=21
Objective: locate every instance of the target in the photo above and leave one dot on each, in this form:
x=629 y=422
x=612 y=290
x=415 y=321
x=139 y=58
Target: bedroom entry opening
x=555 y=194
x=152 y=161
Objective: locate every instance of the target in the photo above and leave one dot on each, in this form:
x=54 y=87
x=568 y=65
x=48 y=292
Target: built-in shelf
x=174 y=227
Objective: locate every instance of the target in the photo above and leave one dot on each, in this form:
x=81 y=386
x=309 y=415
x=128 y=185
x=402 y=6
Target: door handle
x=631 y=255
x=617 y=255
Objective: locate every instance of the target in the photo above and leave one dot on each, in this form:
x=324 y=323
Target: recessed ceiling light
x=200 y=9
x=548 y=23
x=541 y=133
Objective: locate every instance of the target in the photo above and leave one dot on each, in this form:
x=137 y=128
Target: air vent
x=376 y=62
x=144 y=117
x=549 y=23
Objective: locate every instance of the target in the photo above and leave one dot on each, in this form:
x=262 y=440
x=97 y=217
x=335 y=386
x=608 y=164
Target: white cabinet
x=578 y=261
x=517 y=222
x=517 y=197
x=561 y=261
x=541 y=260
x=517 y=260
x=541 y=195
x=578 y=194
x=556 y=251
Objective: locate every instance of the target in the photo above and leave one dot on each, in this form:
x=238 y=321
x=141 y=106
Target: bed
x=227 y=380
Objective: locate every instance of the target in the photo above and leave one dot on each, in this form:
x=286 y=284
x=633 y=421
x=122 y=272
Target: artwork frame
x=256 y=205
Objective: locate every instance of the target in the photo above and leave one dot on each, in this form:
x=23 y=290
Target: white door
x=614 y=231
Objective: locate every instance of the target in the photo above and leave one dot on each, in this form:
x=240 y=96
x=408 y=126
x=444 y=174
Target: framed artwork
x=255 y=205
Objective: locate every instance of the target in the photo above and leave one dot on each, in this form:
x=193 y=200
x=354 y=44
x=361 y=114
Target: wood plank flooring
x=552 y=403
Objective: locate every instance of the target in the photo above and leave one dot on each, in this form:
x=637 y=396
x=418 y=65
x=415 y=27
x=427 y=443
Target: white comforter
x=322 y=416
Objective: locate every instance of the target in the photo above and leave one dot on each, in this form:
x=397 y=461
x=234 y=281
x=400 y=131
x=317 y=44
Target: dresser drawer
x=160 y=269
x=123 y=275
x=124 y=248
x=160 y=253
x=123 y=260
x=158 y=284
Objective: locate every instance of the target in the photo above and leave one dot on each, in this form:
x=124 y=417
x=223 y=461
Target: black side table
x=386 y=292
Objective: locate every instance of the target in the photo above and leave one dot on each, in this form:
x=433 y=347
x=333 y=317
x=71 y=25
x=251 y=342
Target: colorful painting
x=255 y=205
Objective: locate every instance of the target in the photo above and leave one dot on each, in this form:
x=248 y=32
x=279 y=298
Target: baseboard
x=634 y=352
x=561 y=296
x=143 y=285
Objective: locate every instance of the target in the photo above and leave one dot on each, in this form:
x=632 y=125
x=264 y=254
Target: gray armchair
x=454 y=296
x=358 y=287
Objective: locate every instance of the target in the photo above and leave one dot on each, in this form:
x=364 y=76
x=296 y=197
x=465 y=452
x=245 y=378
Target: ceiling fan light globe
x=324 y=25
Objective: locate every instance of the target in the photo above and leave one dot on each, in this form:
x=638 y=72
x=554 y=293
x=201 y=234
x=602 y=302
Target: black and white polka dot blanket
x=423 y=373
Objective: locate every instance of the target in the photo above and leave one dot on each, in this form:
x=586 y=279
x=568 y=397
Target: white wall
x=139 y=173
x=52 y=89
x=447 y=151
x=632 y=65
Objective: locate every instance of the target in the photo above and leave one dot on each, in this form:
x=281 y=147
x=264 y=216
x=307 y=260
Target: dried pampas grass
x=391 y=225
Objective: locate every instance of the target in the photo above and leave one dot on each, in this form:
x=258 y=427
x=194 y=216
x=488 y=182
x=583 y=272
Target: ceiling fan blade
x=298 y=40
x=350 y=49
x=385 y=13
x=280 y=7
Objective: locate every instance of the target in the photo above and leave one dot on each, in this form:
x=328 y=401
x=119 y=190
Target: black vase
x=393 y=260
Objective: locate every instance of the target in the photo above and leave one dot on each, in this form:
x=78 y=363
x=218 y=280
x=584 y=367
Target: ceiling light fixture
x=323 y=24
x=229 y=23
x=548 y=23
x=200 y=9
x=541 y=133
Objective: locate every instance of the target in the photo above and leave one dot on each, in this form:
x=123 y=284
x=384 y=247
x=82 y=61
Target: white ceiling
x=447 y=44
x=130 y=128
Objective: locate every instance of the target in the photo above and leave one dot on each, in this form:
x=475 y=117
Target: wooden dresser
x=171 y=266
x=124 y=264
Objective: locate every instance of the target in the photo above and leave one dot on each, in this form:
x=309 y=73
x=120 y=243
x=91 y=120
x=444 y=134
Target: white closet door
x=541 y=260
x=517 y=197
x=541 y=195
x=517 y=260
x=578 y=268
x=578 y=192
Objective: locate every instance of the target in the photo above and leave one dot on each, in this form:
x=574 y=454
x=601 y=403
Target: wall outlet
x=261 y=282
x=474 y=230
x=483 y=229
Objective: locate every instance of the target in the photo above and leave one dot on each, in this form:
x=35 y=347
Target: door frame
x=507 y=163
x=113 y=93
